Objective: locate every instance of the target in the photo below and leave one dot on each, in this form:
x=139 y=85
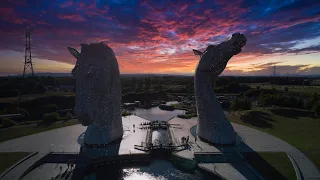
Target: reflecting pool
x=158 y=170
x=156 y=113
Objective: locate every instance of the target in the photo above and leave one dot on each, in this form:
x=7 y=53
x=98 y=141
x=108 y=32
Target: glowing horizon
x=158 y=37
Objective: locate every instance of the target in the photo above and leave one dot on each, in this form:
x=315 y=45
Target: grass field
x=271 y=165
x=10 y=158
x=297 y=127
x=19 y=131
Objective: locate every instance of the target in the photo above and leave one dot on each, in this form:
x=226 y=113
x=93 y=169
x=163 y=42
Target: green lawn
x=297 y=127
x=271 y=165
x=15 y=132
x=10 y=158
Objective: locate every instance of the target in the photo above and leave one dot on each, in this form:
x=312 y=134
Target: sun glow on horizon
x=158 y=36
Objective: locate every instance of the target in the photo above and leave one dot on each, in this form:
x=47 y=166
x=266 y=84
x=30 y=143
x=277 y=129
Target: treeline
x=144 y=96
x=272 y=97
x=311 y=103
x=35 y=109
x=265 y=79
x=233 y=87
x=14 y=86
x=266 y=99
x=291 y=81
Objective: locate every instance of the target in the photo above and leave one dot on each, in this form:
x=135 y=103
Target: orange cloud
x=72 y=17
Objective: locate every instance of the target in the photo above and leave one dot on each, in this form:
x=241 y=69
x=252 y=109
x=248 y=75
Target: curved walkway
x=228 y=171
x=58 y=140
x=253 y=140
x=261 y=141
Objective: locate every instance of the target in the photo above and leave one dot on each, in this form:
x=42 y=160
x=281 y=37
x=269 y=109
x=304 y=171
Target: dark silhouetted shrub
x=286 y=89
x=50 y=108
x=68 y=115
x=187 y=116
x=126 y=113
x=316 y=108
x=8 y=122
x=310 y=103
x=50 y=117
x=241 y=103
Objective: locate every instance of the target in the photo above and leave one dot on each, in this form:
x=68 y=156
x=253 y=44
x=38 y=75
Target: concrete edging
x=222 y=177
x=34 y=165
x=214 y=172
x=296 y=167
x=16 y=164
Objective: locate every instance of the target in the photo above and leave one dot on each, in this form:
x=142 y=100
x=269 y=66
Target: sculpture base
x=218 y=144
x=220 y=139
x=95 y=135
x=111 y=149
x=96 y=143
x=222 y=133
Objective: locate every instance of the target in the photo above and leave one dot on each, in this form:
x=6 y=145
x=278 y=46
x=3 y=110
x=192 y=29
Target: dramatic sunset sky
x=157 y=36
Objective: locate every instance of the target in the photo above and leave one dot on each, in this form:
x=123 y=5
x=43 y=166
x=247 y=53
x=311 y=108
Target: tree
x=51 y=108
x=190 y=88
x=133 y=84
x=140 y=86
x=159 y=86
x=252 y=93
x=286 y=89
x=242 y=103
x=265 y=99
x=312 y=101
x=300 y=103
x=8 y=122
x=41 y=88
x=126 y=113
x=22 y=111
x=306 y=83
x=8 y=92
x=69 y=116
x=147 y=84
x=316 y=108
x=50 y=117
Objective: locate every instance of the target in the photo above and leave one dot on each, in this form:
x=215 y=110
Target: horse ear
x=74 y=52
x=196 y=52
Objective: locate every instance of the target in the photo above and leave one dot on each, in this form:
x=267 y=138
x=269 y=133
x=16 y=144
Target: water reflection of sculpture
x=98 y=93
x=213 y=125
